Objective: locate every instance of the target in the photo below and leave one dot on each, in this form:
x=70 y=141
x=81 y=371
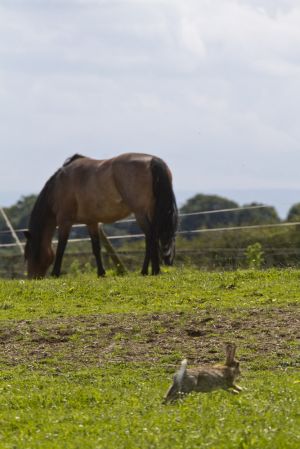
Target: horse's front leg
x=63 y=235
x=147 y=255
x=96 y=247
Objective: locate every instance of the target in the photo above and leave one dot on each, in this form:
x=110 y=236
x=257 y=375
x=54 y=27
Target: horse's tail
x=165 y=214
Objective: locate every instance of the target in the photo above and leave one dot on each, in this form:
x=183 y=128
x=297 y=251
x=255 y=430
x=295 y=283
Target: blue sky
x=211 y=86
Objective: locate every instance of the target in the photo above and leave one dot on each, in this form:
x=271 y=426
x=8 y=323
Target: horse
x=89 y=191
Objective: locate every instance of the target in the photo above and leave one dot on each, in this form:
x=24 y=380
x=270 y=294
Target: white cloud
x=199 y=82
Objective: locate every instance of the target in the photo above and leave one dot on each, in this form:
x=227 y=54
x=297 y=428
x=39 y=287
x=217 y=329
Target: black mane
x=72 y=159
x=42 y=214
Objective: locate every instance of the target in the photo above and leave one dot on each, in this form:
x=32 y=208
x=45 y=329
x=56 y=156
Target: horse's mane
x=42 y=213
x=72 y=159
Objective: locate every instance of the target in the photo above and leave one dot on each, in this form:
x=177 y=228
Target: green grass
x=85 y=362
x=120 y=407
x=173 y=290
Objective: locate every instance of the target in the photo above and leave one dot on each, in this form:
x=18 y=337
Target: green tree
x=294 y=213
x=201 y=202
x=20 y=212
x=263 y=215
x=251 y=215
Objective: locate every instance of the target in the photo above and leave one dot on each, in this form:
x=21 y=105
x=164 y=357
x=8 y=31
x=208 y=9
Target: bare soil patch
x=152 y=338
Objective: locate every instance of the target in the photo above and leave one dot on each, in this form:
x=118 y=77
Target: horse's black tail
x=166 y=213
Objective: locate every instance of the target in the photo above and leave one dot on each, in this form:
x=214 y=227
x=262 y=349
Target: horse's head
x=38 y=258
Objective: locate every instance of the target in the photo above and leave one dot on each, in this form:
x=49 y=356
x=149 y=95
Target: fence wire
x=180 y=232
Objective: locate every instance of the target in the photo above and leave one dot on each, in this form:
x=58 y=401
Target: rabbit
x=206 y=378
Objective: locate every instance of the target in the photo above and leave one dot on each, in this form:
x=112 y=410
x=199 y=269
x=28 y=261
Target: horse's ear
x=27 y=235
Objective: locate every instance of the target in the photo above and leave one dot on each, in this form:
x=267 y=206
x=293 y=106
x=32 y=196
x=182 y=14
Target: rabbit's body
x=206 y=378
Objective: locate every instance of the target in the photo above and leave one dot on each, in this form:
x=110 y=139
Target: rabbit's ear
x=230 y=353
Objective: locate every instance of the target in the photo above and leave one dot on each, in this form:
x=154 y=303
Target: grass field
x=85 y=362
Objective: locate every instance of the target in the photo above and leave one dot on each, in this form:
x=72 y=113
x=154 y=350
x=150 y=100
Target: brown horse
x=90 y=191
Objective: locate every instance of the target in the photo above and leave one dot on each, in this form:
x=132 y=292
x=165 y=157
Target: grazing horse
x=90 y=191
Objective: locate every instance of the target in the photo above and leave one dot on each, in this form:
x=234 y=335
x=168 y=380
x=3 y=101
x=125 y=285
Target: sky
x=211 y=86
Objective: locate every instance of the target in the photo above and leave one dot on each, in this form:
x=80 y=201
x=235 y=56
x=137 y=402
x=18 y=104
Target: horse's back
x=133 y=177
x=89 y=190
x=86 y=193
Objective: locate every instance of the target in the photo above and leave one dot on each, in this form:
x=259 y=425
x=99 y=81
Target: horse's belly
x=102 y=211
x=112 y=214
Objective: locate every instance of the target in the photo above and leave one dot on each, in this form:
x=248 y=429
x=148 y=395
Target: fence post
x=120 y=267
x=10 y=227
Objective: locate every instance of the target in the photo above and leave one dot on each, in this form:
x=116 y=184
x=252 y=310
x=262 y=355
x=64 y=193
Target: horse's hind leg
x=151 y=254
x=151 y=251
x=145 y=225
x=95 y=239
x=63 y=235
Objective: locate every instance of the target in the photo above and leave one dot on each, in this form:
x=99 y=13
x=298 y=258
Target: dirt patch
x=165 y=338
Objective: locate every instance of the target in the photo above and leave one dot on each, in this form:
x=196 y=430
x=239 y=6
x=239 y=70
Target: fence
x=216 y=253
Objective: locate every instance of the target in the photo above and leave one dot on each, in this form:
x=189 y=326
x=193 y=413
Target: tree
x=294 y=213
x=20 y=212
x=263 y=215
x=201 y=202
x=251 y=215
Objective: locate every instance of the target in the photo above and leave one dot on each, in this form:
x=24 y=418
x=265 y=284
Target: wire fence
x=189 y=232
x=19 y=232
x=211 y=256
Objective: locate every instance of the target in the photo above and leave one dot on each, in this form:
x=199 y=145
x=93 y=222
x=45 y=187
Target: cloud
x=198 y=82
